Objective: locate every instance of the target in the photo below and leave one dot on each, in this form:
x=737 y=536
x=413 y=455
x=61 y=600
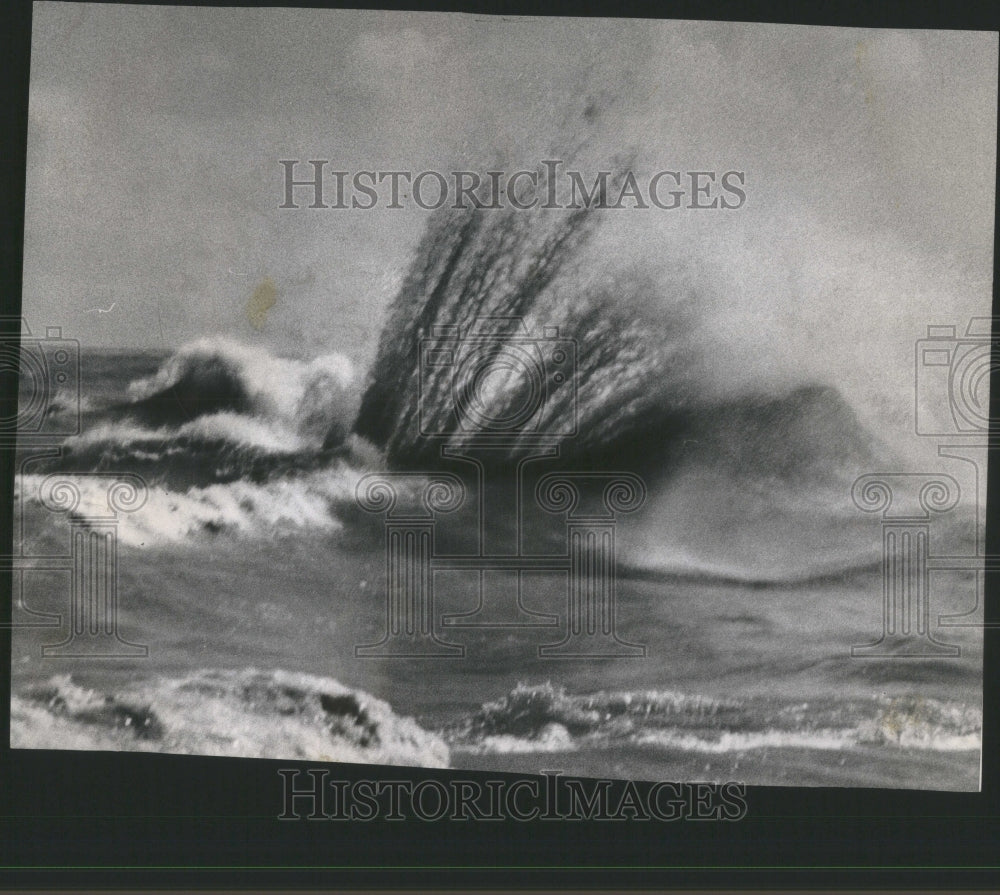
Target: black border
x=64 y=810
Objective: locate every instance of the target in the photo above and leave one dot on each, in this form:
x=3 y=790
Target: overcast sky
x=154 y=184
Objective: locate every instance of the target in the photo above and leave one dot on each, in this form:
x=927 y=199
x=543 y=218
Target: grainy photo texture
x=598 y=397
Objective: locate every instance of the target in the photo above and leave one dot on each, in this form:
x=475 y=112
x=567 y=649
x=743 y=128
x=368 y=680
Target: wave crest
x=246 y=713
x=545 y=718
x=219 y=411
x=217 y=377
x=287 y=505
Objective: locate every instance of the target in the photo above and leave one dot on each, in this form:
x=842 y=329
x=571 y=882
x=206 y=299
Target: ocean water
x=748 y=605
x=251 y=574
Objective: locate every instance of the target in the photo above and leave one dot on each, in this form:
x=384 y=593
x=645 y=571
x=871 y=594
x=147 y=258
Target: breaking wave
x=218 y=411
x=545 y=718
x=286 y=505
x=522 y=324
x=512 y=281
x=247 y=714
x=608 y=360
x=216 y=376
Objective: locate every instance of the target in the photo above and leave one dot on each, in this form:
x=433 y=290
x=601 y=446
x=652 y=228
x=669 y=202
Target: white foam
x=270 y=436
x=552 y=738
x=240 y=507
x=304 y=396
x=746 y=741
x=246 y=713
x=828 y=739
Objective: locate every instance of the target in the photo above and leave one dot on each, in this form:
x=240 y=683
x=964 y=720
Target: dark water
x=747 y=576
x=741 y=583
